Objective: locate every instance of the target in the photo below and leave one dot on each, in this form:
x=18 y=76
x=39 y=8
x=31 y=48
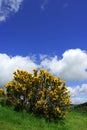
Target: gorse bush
x=39 y=93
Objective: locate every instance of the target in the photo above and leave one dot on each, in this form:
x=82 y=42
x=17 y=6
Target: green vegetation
x=41 y=102
x=11 y=120
x=81 y=107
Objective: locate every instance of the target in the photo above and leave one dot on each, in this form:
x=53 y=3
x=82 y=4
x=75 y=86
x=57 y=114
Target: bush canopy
x=39 y=93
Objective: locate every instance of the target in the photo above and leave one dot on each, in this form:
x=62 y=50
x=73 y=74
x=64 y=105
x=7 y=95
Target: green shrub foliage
x=39 y=93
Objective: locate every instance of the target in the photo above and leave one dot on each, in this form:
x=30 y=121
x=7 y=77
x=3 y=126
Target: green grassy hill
x=11 y=120
x=81 y=107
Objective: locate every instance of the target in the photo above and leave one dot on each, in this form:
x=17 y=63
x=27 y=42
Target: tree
x=40 y=93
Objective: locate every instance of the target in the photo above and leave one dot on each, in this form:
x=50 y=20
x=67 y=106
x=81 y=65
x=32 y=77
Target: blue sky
x=46 y=33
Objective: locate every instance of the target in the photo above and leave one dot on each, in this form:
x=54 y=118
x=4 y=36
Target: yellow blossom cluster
x=40 y=103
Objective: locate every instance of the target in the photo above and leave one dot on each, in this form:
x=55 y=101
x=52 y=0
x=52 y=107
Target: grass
x=11 y=120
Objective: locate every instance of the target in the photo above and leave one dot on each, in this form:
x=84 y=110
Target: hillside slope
x=11 y=120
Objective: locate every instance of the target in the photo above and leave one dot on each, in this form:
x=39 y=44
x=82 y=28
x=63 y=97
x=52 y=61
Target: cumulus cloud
x=78 y=100
x=78 y=90
x=7 y=7
x=9 y=64
x=78 y=93
x=72 y=66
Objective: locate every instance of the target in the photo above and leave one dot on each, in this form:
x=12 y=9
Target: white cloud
x=78 y=93
x=9 y=64
x=71 y=67
x=2 y=18
x=8 y=6
x=78 y=90
x=79 y=100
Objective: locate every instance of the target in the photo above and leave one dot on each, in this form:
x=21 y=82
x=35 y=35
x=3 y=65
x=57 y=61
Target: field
x=11 y=120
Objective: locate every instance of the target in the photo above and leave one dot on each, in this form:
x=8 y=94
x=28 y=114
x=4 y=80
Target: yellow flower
x=36 y=78
x=55 y=80
x=41 y=102
x=55 y=91
x=41 y=92
x=56 y=96
x=59 y=87
x=54 y=99
x=30 y=83
x=58 y=110
x=1 y=91
x=23 y=88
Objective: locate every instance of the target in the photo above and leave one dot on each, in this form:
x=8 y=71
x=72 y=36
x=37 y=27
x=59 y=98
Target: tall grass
x=11 y=120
